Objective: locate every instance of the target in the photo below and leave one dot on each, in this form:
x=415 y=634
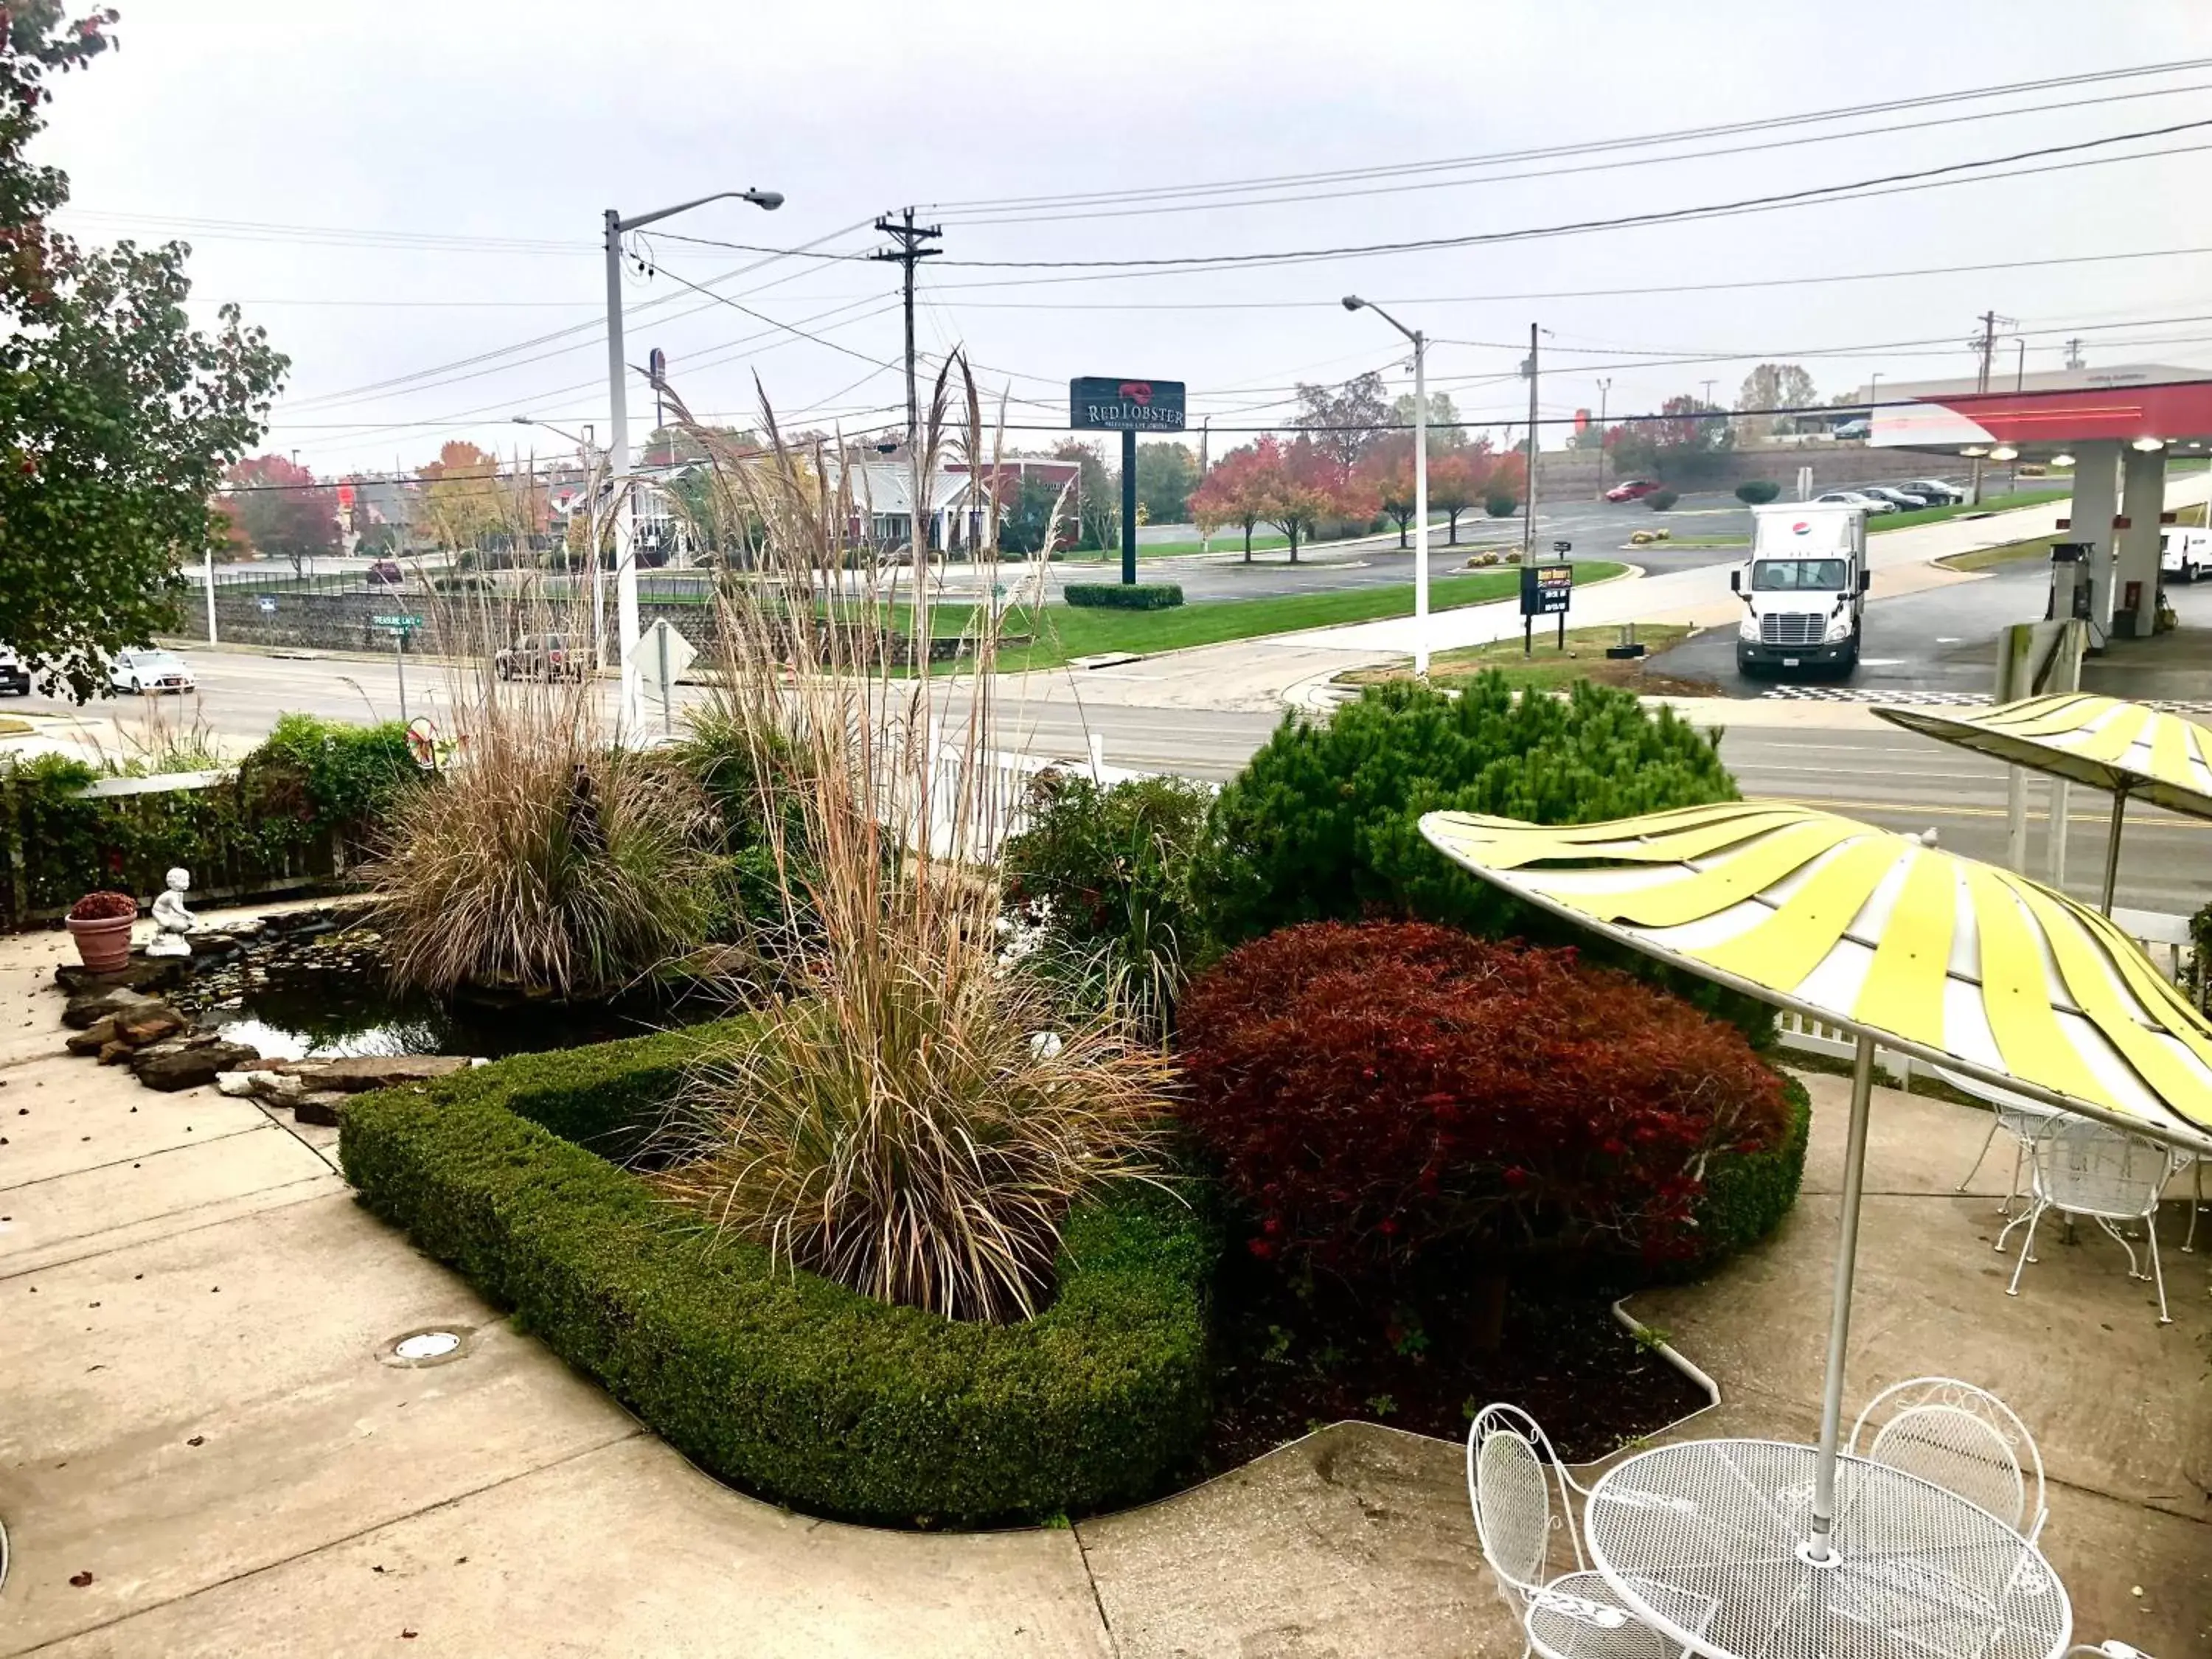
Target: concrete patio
x=206 y=1450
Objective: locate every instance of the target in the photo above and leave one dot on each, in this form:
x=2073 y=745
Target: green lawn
x=1990 y=504
x=1063 y=631
x=1983 y=558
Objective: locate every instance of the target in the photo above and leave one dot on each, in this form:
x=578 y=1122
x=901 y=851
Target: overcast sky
x=431 y=179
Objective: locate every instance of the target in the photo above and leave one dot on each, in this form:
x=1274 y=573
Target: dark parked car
x=1937 y=493
x=386 y=573
x=1904 y=501
x=539 y=657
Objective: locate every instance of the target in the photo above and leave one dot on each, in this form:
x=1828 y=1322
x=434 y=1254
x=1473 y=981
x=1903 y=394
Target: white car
x=2184 y=553
x=1874 y=506
x=140 y=672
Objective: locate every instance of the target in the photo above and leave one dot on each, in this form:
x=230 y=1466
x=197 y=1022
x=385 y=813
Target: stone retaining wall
x=290 y=620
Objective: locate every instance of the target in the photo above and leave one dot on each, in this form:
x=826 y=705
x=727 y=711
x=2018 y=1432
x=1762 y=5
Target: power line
x=1094 y=270
x=592 y=330
x=1782 y=198
x=1588 y=147
x=1615 y=165
x=1761 y=282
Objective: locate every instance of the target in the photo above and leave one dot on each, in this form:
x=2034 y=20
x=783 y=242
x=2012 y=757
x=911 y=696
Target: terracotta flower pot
x=104 y=943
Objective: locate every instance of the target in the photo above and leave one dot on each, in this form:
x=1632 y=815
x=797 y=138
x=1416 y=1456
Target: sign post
x=399 y=627
x=1102 y=402
x=1547 y=590
x=669 y=654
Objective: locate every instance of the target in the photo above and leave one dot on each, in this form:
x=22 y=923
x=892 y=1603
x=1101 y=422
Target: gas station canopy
x=2114 y=427
x=2148 y=407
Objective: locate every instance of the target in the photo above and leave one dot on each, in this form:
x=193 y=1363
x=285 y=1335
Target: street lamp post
x=631 y=717
x=1353 y=302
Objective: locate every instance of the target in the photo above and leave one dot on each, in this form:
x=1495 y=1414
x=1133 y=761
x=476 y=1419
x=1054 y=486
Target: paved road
x=1888 y=777
x=1945 y=640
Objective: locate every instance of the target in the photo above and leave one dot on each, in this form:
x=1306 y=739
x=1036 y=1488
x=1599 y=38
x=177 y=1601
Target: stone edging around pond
x=127 y=1017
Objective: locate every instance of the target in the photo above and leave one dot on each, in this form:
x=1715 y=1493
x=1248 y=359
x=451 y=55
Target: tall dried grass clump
x=908 y=1115
x=546 y=858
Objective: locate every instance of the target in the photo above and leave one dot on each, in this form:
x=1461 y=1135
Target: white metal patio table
x=1913 y=1571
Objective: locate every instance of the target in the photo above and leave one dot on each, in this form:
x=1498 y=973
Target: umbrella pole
x=2112 y=847
x=1839 y=1319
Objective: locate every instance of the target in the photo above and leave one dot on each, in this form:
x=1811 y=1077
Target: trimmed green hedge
x=1746 y=1198
x=1123 y=596
x=786 y=1384
x=313 y=789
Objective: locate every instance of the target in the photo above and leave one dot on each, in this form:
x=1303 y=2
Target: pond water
x=329 y=996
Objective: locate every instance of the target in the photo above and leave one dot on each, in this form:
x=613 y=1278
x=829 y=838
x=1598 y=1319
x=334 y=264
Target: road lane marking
x=1830 y=803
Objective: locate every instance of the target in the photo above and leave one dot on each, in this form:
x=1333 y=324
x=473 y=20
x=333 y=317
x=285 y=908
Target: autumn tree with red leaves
x=276 y=509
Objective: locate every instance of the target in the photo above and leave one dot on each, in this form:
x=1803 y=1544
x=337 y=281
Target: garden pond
x=313 y=984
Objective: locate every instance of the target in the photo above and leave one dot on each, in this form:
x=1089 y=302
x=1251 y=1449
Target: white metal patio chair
x=2017 y=1116
x=2081 y=1168
x=1960 y=1438
x=1512 y=1476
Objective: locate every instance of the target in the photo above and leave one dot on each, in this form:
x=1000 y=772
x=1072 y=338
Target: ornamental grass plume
x=545 y=857
x=904 y=1114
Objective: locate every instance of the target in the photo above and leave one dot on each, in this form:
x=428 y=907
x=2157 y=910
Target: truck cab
x=1803 y=588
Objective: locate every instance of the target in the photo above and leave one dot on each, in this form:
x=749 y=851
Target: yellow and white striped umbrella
x=1960 y=963
x=2107 y=742
x=2129 y=749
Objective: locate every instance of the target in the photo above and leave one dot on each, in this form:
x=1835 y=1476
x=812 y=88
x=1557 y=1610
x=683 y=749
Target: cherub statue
x=172 y=921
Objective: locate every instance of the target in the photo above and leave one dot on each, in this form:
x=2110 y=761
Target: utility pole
x=1604 y=390
x=2018 y=385
x=1205 y=432
x=2073 y=352
x=1986 y=344
x=1528 y=507
x=910 y=253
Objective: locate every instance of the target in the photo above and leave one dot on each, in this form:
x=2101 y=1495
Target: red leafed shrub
x=1373 y=1093
x=102 y=907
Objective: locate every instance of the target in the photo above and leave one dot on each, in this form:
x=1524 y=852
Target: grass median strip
x=1988 y=504
x=1059 y=632
x=1548 y=668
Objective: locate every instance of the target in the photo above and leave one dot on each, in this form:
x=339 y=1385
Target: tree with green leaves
x=1166 y=474
x=1444 y=429
x=117 y=417
x=1098 y=493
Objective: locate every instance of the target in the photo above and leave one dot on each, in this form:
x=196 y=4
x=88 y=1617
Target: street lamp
x=1353 y=302
x=586 y=447
x=631 y=718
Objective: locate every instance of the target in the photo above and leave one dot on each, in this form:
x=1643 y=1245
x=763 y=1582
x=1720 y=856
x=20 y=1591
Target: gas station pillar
x=2096 y=501
x=2142 y=499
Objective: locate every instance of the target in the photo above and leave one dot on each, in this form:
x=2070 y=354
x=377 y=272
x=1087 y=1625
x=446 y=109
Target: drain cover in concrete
x=432 y=1345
